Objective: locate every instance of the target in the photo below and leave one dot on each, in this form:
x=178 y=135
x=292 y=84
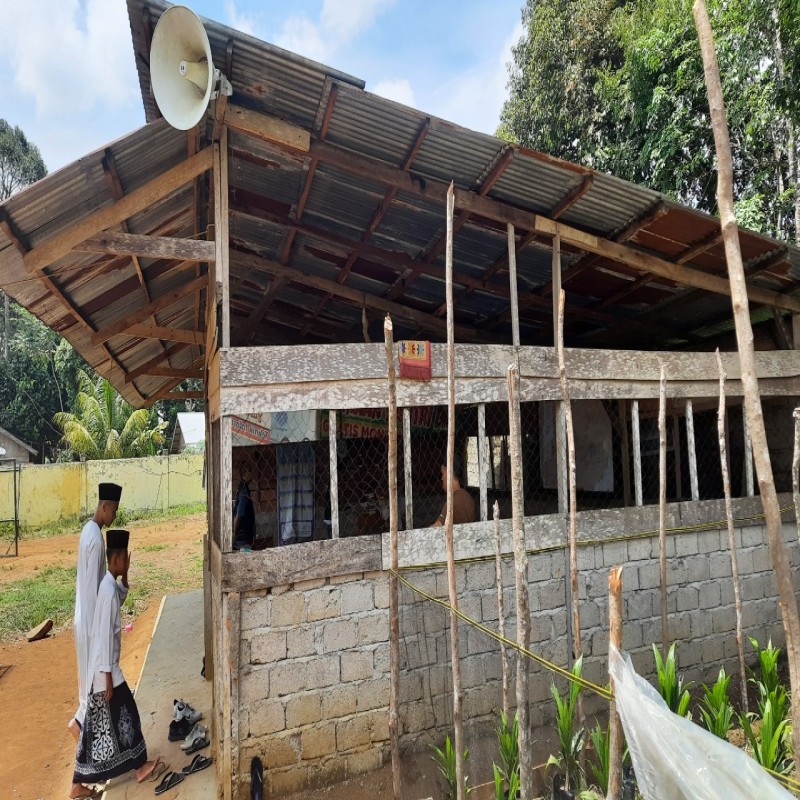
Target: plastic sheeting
x=676 y=759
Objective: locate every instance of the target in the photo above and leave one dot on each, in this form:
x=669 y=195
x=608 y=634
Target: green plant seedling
x=716 y=709
x=570 y=741
x=508 y=743
x=600 y=768
x=767 y=680
x=670 y=684
x=500 y=790
x=768 y=746
x=445 y=759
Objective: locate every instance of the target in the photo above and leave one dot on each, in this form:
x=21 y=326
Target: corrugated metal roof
x=339 y=218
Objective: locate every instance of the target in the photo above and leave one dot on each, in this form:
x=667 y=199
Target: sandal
x=198 y=762
x=199 y=744
x=170 y=779
x=158 y=762
x=198 y=732
x=158 y=770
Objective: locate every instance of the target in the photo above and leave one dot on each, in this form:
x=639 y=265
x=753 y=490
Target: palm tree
x=102 y=425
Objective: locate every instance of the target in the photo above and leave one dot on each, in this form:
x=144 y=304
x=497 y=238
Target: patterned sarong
x=415 y=360
x=111 y=740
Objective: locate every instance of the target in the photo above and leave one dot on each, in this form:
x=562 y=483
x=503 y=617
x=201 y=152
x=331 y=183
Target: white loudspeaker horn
x=182 y=72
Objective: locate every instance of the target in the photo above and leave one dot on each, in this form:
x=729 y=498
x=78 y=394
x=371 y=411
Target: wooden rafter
x=157 y=189
x=168 y=247
x=155 y=362
x=165 y=334
x=572 y=197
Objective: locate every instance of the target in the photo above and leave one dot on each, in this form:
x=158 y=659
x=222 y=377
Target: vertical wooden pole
x=512 y=279
x=781 y=562
x=726 y=487
x=622 y=405
x=556 y=279
x=560 y=419
x=796 y=469
x=521 y=583
x=221 y=234
x=676 y=449
x=614 y=725
x=408 y=494
x=501 y=616
x=333 y=456
x=226 y=483
x=231 y=607
x=448 y=525
x=662 y=504
x=394 y=595
x=637 y=453
x=749 y=487
x=692 y=450
x=577 y=650
x=483 y=462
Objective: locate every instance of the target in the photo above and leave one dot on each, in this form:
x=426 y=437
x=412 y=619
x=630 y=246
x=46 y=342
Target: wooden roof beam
x=156 y=361
x=165 y=247
x=166 y=334
x=573 y=196
x=157 y=189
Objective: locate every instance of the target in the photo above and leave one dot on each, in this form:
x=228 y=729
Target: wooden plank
x=226 y=483
x=556 y=284
x=141 y=314
x=234 y=646
x=676 y=446
x=361 y=299
x=130 y=244
x=483 y=462
x=148 y=366
x=208 y=614
x=145 y=196
x=408 y=488
x=622 y=419
x=269 y=129
x=692 y=449
x=165 y=334
x=169 y=372
x=512 y=283
x=637 y=453
x=333 y=452
x=212 y=378
x=221 y=238
x=279 y=566
x=749 y=486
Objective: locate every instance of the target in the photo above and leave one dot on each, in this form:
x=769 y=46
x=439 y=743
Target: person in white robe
x=91 y=568
x=111 y=741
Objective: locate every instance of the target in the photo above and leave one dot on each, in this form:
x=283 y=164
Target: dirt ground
x=38 y=690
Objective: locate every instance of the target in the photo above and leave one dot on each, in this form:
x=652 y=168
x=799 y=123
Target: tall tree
x=20 y=164
x=103 y=425
x=618 y=85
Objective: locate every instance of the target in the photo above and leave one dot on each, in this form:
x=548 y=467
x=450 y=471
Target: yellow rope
x=564 y=673
x=788 y=781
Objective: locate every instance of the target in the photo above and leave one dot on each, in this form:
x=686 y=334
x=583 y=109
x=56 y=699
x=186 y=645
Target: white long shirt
x=106 y=637
x=91 y=569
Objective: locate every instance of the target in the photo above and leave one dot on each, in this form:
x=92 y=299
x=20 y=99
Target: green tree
x=618 y=85
x=103 y=425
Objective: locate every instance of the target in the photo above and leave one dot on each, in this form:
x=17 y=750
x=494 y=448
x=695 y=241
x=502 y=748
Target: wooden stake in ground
x=744 y=338
x=796 y=470
x=458 y=734
x=726 y=486
x=614 y=725
x=498 y=565
x=662 y=505
x=521 y=576
x=577 y=650
x=394 y=596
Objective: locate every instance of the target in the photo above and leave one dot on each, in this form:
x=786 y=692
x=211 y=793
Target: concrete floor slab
x=172 y=670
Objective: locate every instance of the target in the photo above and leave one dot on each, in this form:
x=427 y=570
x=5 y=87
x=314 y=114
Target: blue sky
x=67 y=76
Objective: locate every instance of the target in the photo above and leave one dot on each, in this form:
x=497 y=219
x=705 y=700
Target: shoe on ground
x=182 y=710
x=179 y=729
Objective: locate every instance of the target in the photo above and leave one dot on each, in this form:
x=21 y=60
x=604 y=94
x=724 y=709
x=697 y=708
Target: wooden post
x=221 y=234
x=796 y=470
x=394 y=595
x=614 y=725
x=676 y=449
x=637 y=453
x=501 y=616
x=692 y=450
x=448 y=524
x=556 y=278
x=726 y=487
x=231 y=626
x=226 y=483
x=521 y=583
x=577 y=650
x=662 y=504
x=512 y=280
x=333 y=454
x=560 y=419
x=483 y=459
x=749 y=487
x=744 y=336
x=626 y=452
x=407 y=492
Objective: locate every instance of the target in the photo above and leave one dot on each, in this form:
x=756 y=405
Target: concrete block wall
x=314 y=655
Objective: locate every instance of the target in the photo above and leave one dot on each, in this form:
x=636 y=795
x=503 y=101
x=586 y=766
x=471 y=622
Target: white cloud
x=475 y=97
x=398 y=90
x=244 y=22
x=70 y=57
x=340 y=23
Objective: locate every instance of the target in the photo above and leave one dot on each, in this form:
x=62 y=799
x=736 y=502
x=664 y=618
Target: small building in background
x=11 y=447
x=190 y=433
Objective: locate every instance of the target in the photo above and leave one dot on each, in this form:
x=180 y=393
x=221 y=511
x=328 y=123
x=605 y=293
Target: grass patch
x=27 y=602
x=124 y=517
x=153 y=548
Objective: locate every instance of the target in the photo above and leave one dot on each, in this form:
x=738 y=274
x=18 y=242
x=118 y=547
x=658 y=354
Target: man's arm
x=439 y=521
x=103 y=640
x=122 y=588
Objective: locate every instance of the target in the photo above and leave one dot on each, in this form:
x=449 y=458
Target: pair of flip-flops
x=196 y=740
x=172 y=779
x=158 y=770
